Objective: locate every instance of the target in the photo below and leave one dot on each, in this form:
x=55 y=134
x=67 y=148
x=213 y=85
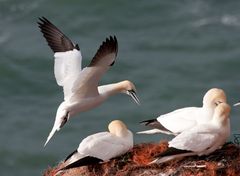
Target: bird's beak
x=237 y=104
x=133 y=94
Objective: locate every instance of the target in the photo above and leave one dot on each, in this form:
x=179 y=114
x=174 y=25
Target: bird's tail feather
x=88 y=160
x=54 y=129
x=155 y=131
x=171 y=157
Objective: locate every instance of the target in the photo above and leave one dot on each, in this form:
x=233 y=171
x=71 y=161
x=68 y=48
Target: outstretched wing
x=57 y=41
x=87 y=82
x=67 y=65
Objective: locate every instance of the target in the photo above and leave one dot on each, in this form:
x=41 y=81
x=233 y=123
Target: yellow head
x=213 y=97
x=129 y=88
x=118 y=128
x=128 y=85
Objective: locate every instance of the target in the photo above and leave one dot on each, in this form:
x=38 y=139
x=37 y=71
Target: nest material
x=223 y=162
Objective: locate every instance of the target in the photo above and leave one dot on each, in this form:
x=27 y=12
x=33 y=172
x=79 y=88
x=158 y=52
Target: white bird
x=80 y=87
x=202 y=139
x=101 y=146
x=180 y=120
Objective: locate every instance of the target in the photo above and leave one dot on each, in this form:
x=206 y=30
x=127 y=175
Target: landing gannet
x=80 y=87
x=179 y=120
x=101 y=146
x=202 y=139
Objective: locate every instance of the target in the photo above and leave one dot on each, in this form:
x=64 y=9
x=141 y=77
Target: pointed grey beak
x=237 y=104
x=133 y=94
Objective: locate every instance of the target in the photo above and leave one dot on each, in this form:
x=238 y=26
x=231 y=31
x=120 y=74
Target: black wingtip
x=71 y=154
x=116 y=41
x=57 y=41
x=147 y=122
x=113 y=41
x=88 y=160
x=110 y=45
x=77 y=47
x=154 y=123
x=172 y=151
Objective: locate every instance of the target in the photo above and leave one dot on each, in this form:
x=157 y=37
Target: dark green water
x=174 y=51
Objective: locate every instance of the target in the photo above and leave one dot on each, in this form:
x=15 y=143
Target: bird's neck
x=208 y=106
x=123 y=133
x=110 y=89
x=220 y=123
x=207 y=110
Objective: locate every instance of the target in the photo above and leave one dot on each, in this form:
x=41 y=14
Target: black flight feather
x=69 y=156
x=107 y=47
x=88 y=160
x=57 y=41
x=172 y=151
x=155 y=124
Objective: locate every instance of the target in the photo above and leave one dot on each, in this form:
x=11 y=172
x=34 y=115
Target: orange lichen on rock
x=223 y=162
x=144 y=153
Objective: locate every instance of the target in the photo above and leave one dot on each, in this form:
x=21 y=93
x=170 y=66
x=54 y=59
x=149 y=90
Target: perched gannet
x=202 y=139
x=80 y=87
x=101 y=146
x=179 y=120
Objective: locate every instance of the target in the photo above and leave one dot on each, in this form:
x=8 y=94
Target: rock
x=223 y=162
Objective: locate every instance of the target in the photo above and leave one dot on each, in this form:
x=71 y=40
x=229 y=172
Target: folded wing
x=180 y=120
x=196 y=139
x=104 y=146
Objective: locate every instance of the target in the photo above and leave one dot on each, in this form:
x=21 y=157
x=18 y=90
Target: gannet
x=80 y=86
x=202 y=139
x=179 y=120
x=101 y=147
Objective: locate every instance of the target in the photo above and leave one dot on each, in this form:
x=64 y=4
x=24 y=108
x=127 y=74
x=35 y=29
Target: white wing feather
x=67 y=67
x=104 y=146
x=196 y=139
x=181 y=119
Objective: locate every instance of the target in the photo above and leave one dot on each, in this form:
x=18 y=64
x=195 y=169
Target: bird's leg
x=65 y=119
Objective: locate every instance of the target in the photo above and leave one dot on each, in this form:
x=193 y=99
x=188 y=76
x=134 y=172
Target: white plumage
x=102 y=146
x=183 y=119
x=105 y=145
x=80 y=86
x=202 y=139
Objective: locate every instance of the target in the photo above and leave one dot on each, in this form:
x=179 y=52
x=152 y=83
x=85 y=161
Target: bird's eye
x=217 y=103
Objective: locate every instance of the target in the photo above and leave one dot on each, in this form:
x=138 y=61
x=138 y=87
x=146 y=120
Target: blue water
x=174 y=51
